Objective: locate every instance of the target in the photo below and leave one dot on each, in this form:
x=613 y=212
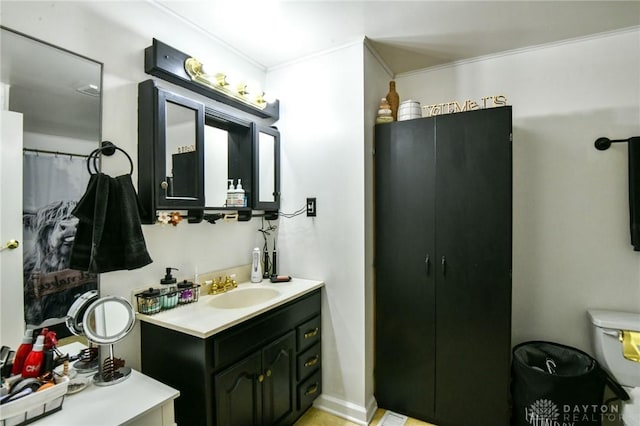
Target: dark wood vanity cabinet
x=443 y=267
x=264 y=371
x=260 y=388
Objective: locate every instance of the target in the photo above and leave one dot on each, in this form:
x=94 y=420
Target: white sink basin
x=243 y=298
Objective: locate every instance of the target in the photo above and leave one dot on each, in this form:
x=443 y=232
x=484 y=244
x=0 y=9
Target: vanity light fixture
x=240 y=91
x=174 y=66
x=89 y=89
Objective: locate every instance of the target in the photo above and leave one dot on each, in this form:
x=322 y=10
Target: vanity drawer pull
x=312 y=361
x=311 y=333
x=308 y=333
x=312 y=389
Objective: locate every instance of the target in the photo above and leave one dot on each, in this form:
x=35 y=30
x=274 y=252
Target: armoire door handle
x=427 y=264
x=444 y=265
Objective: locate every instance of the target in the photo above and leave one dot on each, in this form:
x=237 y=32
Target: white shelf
x=139 y=400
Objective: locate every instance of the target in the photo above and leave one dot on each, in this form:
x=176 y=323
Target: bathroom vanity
x=247 y=357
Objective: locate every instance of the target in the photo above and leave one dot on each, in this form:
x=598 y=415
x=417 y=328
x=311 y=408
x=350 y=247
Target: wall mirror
x=58 y=95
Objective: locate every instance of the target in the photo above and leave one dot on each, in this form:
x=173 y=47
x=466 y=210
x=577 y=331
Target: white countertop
x=201 y=319
x=117 y=404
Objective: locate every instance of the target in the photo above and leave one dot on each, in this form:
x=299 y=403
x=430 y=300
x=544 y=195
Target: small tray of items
x=35 y=406
x=154 y=300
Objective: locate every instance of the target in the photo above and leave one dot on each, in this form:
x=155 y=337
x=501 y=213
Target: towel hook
x=107 y=148
x=603 y=143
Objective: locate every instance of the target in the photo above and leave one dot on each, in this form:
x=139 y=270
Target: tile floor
x=315 y=417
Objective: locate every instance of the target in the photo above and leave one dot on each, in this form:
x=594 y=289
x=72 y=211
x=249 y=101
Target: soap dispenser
x=169 y=291
x=240 y=197
x=230 y=193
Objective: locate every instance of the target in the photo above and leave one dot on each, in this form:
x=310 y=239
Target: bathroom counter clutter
x=139 y=400
x=215 y=313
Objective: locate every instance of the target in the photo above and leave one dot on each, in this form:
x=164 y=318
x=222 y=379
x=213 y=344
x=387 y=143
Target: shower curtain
x=52 y=184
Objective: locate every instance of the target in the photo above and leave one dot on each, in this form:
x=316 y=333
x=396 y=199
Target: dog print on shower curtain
x=52 y=187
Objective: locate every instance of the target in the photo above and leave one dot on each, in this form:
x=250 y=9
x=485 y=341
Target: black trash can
x=557 y=385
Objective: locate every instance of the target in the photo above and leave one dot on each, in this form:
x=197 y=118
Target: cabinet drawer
x=309 y=390
x=308 y=333
x=309 y=361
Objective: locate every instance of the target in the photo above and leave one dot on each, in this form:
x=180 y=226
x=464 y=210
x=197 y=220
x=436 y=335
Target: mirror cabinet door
x=266 y=167
x=170 y=151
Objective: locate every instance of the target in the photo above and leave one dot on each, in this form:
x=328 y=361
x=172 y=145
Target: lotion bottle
x=256 y=268
x=230 y=193
x=33 y=363
x=23 y=351
x=240 y=199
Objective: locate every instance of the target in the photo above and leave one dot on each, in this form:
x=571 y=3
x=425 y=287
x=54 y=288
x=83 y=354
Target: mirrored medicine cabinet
x=266 y=167
x=188 y=153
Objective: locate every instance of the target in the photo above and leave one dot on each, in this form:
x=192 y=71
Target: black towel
x=109 y=235
x=634 y=191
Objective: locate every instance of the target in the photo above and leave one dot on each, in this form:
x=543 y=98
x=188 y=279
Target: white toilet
x=608 y=352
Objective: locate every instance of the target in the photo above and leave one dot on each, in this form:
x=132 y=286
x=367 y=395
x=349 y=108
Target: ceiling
x=407 y=35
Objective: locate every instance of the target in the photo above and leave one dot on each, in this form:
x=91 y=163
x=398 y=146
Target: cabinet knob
x=164 y=184
x=268 y=373
x=261 y=378
x=311 y=333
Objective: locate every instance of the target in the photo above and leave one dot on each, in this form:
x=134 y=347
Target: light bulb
x=221 y=79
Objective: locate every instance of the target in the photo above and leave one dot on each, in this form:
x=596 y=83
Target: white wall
x=322 y=132
x=376 y=86
x=571 y=247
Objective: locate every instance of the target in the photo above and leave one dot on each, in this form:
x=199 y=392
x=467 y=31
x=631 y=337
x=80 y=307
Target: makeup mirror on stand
x=107 y=321
x=88 y=361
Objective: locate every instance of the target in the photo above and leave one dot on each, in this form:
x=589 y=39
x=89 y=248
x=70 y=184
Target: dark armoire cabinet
x=443 y=267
